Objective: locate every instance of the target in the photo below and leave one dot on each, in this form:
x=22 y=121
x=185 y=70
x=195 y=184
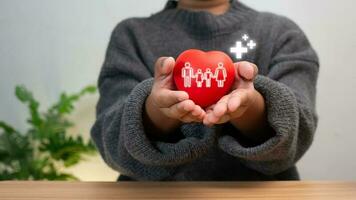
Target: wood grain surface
x=178 y=190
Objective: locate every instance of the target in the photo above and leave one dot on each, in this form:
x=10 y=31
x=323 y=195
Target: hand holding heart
x=242 y=96
x=167 y=108
x=175 y=106
x=214 y=82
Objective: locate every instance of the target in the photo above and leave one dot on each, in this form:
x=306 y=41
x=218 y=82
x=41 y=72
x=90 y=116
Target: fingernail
x=180 y=99
x=165 y=60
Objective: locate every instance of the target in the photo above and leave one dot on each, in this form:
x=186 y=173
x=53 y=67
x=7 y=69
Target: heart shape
x=205 y=76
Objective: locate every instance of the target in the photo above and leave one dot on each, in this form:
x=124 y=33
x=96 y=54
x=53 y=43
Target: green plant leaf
x=88 y=90
x=46 y=145
x=26 y=97
x=68 y=149
x=65 y=105
x=7 y=128
x=23 y=94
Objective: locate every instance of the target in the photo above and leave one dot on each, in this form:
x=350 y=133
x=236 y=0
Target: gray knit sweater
x=288 y=69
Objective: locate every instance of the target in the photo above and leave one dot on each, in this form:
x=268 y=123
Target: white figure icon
x=220 y=75
x=187 y=74
x=208 y=75
x=199 y=78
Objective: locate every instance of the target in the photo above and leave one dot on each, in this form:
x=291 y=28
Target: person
x=187 y=75
x=220 y=75
x=147 y=130
x=199 y=78
x=208 y=75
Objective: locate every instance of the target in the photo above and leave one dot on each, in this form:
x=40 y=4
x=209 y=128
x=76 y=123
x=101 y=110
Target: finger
x=247 y=70
x=240 y=81
x=197 y=111
x=208 y=111
x=223 y=119
x=166 y=98
x=211 y=118
x=206 y=118
x=168 y=65
x=188 y=118
x=234 y=101
x=214 y=112
x=180 y=109
x=211 y=108
x=196 y=115
x=237 y=99
x=202 y=114
x=163 y=67
x=221 y=107
x=159 y=66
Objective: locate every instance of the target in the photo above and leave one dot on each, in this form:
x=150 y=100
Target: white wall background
x=51 y=46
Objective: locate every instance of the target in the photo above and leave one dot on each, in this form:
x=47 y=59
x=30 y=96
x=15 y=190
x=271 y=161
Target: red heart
x=205 y=76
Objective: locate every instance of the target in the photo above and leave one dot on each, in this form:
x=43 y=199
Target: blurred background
x=59 y=45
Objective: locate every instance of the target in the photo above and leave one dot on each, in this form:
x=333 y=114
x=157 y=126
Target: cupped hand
x=242 y=96
x=175 y=106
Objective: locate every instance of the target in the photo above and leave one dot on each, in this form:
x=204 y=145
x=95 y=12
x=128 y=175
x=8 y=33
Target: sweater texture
x=288 y=69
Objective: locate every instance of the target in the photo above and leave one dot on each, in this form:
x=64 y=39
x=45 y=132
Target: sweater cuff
x=196 y=142
x=282 y=117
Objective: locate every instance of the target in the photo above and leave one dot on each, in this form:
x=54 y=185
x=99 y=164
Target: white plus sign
x=251 y=44
x=245 y=37
x=238 y=50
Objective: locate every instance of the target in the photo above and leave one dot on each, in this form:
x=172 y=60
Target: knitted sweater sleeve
x=119 y=133
x=289 y=91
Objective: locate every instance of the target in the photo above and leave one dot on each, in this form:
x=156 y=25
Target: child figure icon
x=199 y=78
x=208 y=75
x=219 y=75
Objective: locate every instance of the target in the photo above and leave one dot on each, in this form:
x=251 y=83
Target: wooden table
x=178 y=190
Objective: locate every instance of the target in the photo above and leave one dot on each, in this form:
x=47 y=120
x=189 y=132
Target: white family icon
x=188 y=75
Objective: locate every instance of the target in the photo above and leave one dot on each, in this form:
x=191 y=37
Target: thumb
x=163 y=67
x=246 y=70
